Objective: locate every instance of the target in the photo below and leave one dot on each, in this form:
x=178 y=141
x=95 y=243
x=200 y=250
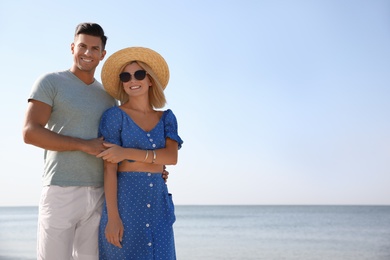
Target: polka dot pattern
x=118 y=128
x=145 y=206
x=147 y=212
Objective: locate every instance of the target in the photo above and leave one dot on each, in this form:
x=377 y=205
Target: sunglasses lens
x=124 y=76
x=140 y=74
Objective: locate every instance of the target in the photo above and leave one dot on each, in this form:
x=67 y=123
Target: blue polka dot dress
x=145 y=206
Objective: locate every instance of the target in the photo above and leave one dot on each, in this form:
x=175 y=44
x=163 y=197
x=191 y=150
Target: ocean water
x=245 y=232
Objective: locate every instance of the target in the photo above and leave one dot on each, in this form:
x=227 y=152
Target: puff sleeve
x=171 y=128
x=110 y=126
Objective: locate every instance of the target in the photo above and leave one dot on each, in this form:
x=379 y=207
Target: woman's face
x=139 y=83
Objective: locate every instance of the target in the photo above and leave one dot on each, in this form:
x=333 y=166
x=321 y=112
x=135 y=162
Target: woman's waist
x=127 y=166
x=140 y=174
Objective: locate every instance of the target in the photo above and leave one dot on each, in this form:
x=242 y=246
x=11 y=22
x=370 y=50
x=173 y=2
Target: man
x=63 y=115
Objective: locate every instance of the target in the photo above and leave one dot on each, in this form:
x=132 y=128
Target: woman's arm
x=114 y=228
x=163 y=156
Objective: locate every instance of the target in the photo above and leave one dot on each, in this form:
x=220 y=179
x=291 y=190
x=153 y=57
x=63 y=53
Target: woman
x=138 y=213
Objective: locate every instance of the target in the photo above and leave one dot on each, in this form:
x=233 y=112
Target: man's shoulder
x=50 y=76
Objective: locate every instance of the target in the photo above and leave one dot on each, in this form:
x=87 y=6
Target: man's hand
x=94 y=146
x=165 y=174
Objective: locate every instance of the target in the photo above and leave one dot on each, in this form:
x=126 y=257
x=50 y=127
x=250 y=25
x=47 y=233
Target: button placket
x=148 y=205
x=151 y=140
x=148 y=220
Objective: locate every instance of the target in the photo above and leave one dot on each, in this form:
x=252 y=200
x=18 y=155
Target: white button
x=149 y=244
x=154 y=145
x=151 y=139
x=147 y=225
x=149 y=174
x=148 y=205
x=148 y=135
x=151 y=185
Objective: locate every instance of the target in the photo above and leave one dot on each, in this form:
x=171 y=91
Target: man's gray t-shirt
x=76 y=111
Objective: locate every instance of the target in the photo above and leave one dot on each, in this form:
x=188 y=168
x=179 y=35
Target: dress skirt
x=147 y=212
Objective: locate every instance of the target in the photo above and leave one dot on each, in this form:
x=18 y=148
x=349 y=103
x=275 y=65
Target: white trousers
x=68 y=223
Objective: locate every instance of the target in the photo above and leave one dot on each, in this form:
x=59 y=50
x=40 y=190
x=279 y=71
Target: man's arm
x=35 y=133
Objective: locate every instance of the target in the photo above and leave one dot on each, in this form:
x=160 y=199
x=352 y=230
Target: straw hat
x=117 y=61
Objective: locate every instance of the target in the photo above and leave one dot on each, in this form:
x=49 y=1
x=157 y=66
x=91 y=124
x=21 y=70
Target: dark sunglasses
x=138 y=75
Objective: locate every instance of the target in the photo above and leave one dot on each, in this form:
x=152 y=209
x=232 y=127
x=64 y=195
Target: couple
x=77 y=122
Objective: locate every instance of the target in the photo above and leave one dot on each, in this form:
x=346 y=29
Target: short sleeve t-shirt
x=76 y=111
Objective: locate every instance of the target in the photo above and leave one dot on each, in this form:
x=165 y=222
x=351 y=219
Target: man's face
x=87 y=52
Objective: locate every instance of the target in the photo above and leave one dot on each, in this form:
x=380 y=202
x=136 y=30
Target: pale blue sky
x=278 y=102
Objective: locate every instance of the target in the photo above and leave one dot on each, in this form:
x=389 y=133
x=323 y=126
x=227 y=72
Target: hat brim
x=116 y=62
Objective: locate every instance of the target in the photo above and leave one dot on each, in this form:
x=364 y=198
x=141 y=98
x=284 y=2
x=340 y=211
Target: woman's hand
x=114 y=232
x=113 y=154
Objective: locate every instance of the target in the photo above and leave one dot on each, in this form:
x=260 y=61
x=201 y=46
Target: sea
x=245 y=232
